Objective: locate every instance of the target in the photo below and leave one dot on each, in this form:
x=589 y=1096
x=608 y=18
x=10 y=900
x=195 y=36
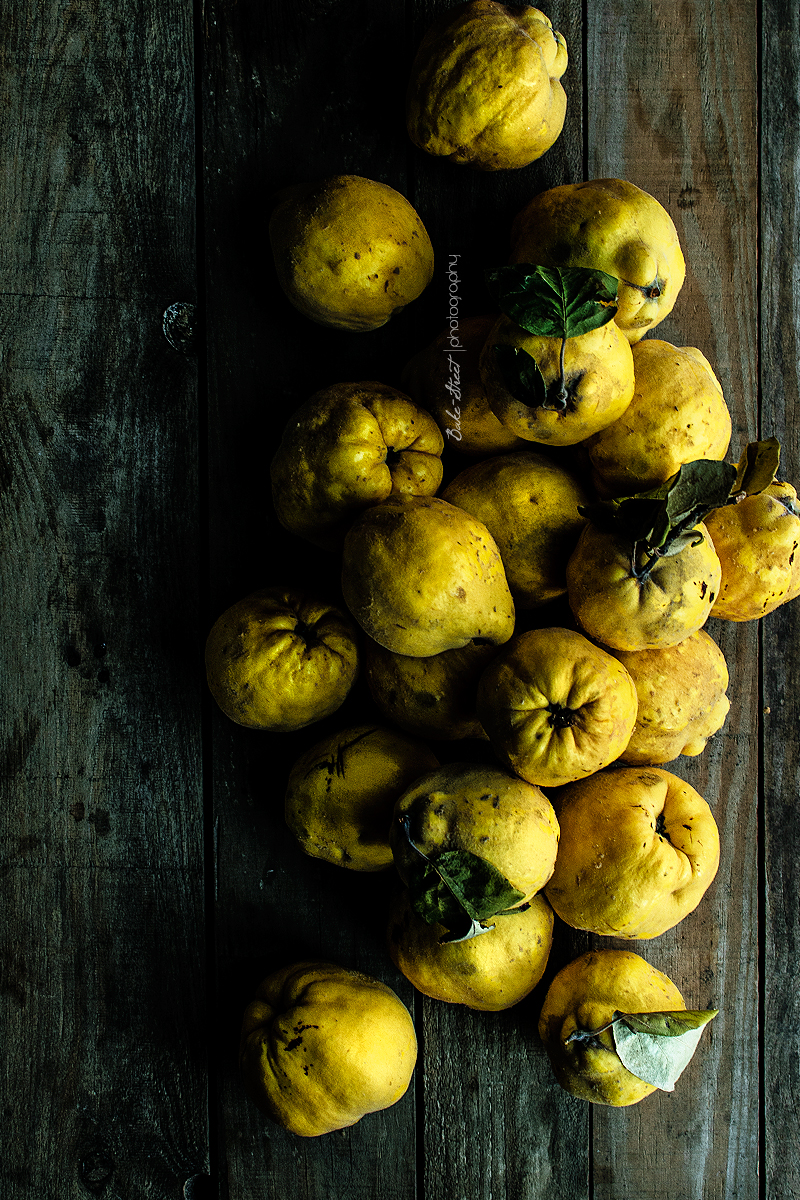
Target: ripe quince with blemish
x=630 y=599
x=678 y=414
x=321 y=1046
x=431 y=697
x=349 y=252
x=682 y=698
x=349 y=446
x=639 y=848
x=341 y=793
x=481 y=809
x=444 y=379
x=758 y=545
x=280 y=659
x=584 y=996
x=613 y=226
x=484 y=88
x=489 y=972
x=529 y=504
x=555 y=706
x=421 y=576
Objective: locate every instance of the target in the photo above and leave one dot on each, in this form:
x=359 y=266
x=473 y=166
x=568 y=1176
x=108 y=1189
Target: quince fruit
x=682 y=700
x=421 y=576
x=583 y=998
x=595 y=371
x=677 y=415
x=341 y=793
x=629 y=600
x=430 y=697
x=485 y=811
x=529 y=504
x=757 y=541
x=612 y=226
x=556 y=707
x=489 y=972
x=349 y=252
x=639 y=847
x=322 y=1046
x=280 y=659
x=484 y=88
x=349 y=446
x=444 y=379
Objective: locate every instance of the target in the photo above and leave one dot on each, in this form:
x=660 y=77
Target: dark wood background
x=148 y=881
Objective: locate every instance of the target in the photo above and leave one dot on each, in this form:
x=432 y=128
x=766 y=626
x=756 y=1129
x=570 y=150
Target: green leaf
x=660 y=521
x=656 y=1047
x=557 y=302
x=521 y=375
x=456 y=888
x=757 y=467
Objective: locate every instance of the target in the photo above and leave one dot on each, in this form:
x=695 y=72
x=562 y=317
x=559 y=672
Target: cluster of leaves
x=662 y=521
x=552 y=302
x=653 y=1046
x=457 y=889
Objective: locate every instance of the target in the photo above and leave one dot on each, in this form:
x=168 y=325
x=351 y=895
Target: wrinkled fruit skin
x=322 y=1046
x=598 y=372
x=349 y=446
x=430 y=697
x=682 y=700
x=485 y=810
x=280 y=660
x=529 y=504
x=556 y=707
x=625 y=613
x=677 y=415
x=613 y=226
x=585 y=994
x=341 y=794
x=638 y=850
x=444 y=379
x=484 y=88
x=490 y=972
x=421 y=576
x=758 y=544
x=349 y=252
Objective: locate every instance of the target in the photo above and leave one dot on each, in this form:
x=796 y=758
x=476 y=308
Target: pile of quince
x=594 y=477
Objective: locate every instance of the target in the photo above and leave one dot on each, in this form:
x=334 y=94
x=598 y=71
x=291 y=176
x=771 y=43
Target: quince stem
x=642 y=574
x=560 y=401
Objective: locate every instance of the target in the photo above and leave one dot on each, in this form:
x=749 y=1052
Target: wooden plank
x=675 y=113
x=292 y=92
x=101 y=922
x=780 y=416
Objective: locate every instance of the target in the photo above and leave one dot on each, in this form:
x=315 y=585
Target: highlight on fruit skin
x=322 y=1046
x=485 y=87
x=349 y=252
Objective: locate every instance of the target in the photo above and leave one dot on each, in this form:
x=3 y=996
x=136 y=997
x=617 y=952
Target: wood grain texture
x=675 y=112
x=101 y=922
x=780 y=413
x=292 y=93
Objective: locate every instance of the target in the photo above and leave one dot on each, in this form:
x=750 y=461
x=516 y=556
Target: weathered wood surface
x=148 y=878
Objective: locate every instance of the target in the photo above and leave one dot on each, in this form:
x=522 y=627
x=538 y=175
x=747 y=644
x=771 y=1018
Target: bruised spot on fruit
x=461 y=594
